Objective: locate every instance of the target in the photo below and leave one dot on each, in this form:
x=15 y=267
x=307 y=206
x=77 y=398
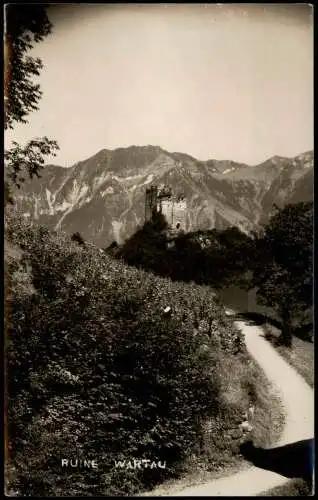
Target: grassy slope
x=301 y=356
x=268 y=425
x=240 y=377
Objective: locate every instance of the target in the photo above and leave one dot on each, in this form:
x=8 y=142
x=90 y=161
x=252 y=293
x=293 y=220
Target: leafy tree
x=28 y=159
x=147 y=247
x=25 y=25
x=284 y=274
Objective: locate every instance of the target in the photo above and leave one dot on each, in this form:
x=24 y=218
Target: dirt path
x=298 y=400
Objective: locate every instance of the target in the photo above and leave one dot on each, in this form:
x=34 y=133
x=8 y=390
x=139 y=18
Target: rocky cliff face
x=103 y=197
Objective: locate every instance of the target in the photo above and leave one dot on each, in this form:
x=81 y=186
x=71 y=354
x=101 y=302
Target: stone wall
x=162 y=200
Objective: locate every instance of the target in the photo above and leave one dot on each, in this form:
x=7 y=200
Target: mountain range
x=103 y=197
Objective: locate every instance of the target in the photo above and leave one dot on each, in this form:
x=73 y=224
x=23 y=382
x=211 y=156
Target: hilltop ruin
x=161 y=199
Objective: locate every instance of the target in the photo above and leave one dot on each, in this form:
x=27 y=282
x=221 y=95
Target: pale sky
x=229 y=81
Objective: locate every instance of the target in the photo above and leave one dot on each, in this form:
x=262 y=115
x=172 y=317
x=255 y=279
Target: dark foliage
x=108 y=362
x=27 y=160
x=284 y=270
x=206 y=257
x=278 y=261
x=78 y=238
x=25 y=25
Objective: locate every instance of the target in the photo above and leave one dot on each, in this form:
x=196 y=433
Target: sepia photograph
x=158 y=249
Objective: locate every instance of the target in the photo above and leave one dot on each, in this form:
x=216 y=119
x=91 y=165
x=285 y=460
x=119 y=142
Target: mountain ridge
x=103 y=196
x=309 y=152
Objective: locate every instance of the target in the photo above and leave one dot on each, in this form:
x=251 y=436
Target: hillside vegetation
x=277 y=261
x=106 y=362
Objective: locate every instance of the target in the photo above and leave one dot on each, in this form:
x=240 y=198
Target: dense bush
x=107 y=362
x=78 y=238
x=213 y=257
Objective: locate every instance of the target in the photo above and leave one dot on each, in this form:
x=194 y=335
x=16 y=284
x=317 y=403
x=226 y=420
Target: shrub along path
x=298 y=400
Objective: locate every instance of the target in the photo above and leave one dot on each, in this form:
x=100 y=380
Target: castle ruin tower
x=162 y=200
x=179 y=214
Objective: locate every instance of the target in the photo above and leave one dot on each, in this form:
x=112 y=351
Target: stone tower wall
x=165 y=206
x=174 y=209
x=180 y=214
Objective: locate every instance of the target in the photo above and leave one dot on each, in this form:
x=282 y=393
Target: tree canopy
x=25 y=25
x=284 y=271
